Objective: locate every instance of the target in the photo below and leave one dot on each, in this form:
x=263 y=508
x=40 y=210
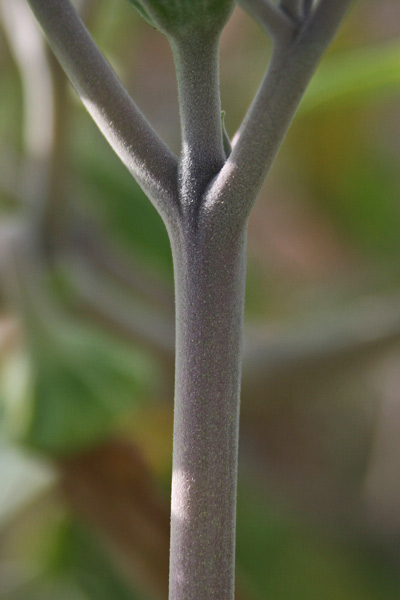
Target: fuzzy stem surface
x=210 y=282
x=268 y=119
x=203 y=155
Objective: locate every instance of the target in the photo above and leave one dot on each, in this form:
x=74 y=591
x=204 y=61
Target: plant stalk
x=210 y=284
x=197 y=70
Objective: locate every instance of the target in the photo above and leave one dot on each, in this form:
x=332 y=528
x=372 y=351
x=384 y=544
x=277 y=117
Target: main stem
x=210 y=282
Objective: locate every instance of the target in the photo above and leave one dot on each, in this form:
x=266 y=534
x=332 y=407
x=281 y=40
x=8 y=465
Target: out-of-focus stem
x=45 y=123
x=275 y=21
x=29 y=54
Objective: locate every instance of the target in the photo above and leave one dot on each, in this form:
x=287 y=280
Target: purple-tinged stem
x=210 y=283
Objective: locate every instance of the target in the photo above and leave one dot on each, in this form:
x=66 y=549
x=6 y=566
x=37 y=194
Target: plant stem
x=273 y=108
x=210 y=282
x=275 y=21
x=197 y=70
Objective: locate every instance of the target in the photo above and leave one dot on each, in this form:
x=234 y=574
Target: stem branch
x=118 y=118
x=203 y=154
x=268 y=119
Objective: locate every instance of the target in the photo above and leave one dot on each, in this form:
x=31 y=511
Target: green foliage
x=71 y=388
x=182 y=18
x=79 y=557
x=354 y=75
x=365 y=204
x=126 y=213
x=81 y=386
x=69 y=563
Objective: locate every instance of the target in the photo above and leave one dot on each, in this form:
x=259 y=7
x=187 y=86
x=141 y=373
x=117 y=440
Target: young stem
x=210 y=281
x=203 y=155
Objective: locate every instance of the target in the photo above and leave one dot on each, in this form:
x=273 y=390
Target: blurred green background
x=86 y=325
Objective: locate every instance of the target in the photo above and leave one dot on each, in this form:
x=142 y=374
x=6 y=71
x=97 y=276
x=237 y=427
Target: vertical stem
x=210 y=282
x=197 y=70
x=52 y=216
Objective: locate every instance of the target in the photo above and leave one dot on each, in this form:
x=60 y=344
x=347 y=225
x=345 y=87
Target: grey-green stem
x=209 y=282
x=197 y=71
x=209 y=267
x=293 y=63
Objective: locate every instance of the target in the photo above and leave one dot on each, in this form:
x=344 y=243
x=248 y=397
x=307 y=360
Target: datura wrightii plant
x=204 y=197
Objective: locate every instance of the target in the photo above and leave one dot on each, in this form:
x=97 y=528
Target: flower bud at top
x=178 y=19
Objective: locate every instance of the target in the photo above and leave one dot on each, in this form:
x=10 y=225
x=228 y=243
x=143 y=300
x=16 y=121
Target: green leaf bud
x=178 y=19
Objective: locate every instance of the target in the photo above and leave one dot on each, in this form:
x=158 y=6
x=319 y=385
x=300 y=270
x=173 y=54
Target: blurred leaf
x=348 y=76
x=122 y=206
x=72 y=383
x=81 y=386
x=364 y=202
x=80 y=557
